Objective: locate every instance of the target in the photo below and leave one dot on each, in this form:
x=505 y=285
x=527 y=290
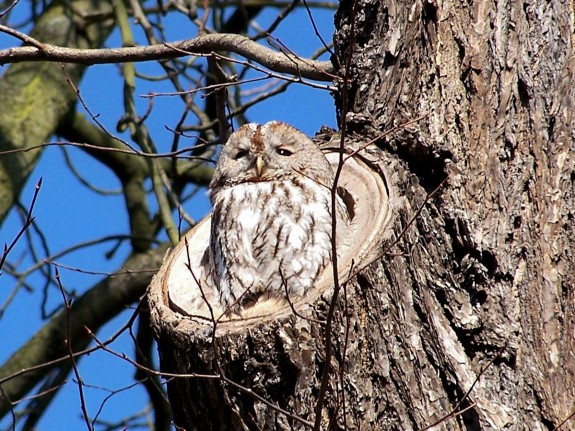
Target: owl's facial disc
x=256 y=153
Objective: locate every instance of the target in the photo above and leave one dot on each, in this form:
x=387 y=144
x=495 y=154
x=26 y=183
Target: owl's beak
x=260 y=165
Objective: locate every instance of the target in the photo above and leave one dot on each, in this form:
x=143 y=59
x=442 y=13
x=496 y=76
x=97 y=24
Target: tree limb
x=201 y=45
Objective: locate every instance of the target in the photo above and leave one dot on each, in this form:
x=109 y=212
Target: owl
x=271 y=225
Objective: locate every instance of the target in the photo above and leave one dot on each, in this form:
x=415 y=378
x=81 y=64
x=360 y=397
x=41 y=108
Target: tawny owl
x=271 y=223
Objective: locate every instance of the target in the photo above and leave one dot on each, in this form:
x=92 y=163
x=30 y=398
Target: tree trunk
x=485 y=295
x=466 y=319
x=235 y=369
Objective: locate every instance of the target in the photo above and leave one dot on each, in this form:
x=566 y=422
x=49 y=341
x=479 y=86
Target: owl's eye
x=241 y=154
x=283 y=152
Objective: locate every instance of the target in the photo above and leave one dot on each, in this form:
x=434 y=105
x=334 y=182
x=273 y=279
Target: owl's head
x=271 y=152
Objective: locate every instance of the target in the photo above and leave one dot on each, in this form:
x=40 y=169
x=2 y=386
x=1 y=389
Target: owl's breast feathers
x=270 y=237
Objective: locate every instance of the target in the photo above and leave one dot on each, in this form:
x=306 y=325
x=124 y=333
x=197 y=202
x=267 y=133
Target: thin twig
x=27 y=223
x=74 y=354
x=317 y=33
x=71 y=355
x=75 y=88
x=23 y=37
x=564 y=421
x=336 y=286
x=130 y=151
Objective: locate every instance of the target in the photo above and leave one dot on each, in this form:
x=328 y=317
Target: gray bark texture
x=36 y=98
x=466 y=320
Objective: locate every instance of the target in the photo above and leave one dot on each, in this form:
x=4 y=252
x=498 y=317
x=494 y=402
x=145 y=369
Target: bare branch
x=27 y=223
x=97 y=306
x=201 y=45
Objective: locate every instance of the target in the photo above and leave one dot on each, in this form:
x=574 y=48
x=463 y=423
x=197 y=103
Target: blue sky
x=68 y=213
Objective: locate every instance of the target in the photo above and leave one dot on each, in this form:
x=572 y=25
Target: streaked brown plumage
x=271 y=224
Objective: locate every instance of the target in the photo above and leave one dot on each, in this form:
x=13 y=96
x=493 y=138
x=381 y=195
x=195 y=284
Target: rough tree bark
x=467 y=321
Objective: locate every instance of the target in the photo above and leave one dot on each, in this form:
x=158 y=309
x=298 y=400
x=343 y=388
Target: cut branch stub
x=261 y=370
x=182 y=278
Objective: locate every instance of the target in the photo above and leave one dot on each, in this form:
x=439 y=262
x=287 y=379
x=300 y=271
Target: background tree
x=466 y=319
